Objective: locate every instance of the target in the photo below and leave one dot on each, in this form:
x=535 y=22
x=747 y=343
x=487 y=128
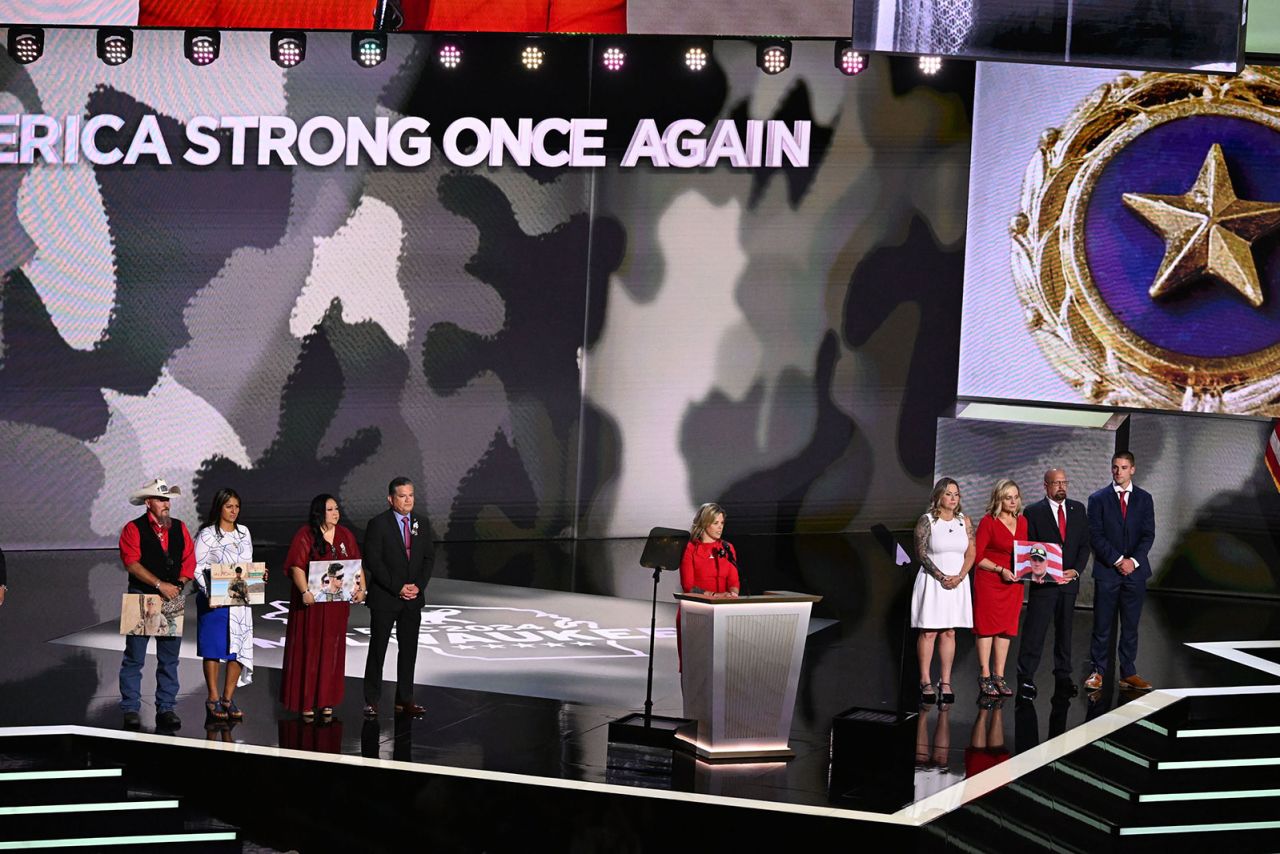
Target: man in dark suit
x=1053 y=519
x=397 y=563
x=1122 y=528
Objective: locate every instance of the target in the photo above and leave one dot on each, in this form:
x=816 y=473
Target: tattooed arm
x=922 y=549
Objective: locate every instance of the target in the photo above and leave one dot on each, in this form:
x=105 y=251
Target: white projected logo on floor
x=503 y=633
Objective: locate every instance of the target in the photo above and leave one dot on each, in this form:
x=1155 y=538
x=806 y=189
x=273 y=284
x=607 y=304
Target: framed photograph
x=237 y=584
x=333 y=580
x=1039 y=562
x=144 y=614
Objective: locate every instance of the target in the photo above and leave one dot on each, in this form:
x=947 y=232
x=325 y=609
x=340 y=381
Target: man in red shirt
x=159 y=556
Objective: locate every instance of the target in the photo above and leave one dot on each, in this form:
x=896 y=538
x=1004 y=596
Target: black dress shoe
x=132 y=720
x=410 y=709
x=168 y=721
x=1065 y=688
x=370 y=710
x=1026 y=689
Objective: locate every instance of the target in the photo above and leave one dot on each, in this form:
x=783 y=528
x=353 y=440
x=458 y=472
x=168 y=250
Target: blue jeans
x=135 y=654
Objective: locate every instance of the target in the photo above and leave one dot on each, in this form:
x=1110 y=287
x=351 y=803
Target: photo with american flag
x=1039 y=562
x=1272 y=454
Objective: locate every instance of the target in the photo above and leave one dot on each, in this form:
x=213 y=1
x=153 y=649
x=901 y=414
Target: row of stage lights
x=368 y=49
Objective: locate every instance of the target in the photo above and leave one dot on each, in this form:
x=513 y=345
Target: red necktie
x=1124 y=504
x=407 y=539
x=1062 y=524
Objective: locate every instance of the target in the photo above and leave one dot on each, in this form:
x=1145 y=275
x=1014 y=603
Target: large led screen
x=1166 y=34
x=1124 y=240
x=550 y=347
x=822 y=18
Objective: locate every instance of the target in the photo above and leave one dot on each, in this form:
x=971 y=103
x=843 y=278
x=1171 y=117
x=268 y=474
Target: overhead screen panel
x=816 y=18
x=1108 y=260
x=1263 y=35
x=1170 y=34
x=549 y=350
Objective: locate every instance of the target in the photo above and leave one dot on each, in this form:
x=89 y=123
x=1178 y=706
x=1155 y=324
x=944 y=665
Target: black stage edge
x=316 y=805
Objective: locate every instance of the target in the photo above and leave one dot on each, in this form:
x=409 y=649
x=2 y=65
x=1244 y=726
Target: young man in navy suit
x=1053 y=519
x=1122 y=527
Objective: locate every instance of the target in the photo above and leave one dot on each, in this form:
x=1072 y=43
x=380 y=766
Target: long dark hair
x=315 y=516
x=220 y=499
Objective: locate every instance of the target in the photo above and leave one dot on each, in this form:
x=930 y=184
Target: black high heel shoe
x=947 y=697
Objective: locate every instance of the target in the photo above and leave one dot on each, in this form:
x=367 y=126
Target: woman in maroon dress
x=997 y=598
x=315 y=646
x=709 y=564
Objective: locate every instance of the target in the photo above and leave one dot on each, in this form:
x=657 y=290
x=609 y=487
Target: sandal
x=987 y=686
x=214 y=710
x=1002 y=687
x=233 y=711
x=927 y=694
x=947 y=697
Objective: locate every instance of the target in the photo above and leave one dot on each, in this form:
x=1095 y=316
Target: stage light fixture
x=532 y=57
x=115 y=45
x=26 y=44
x=849 y=61
x=931 y=65
x=450 y=56
x=288 y=47
x=202 y=47
x=773 y=57
x=696 y=58
x=368 y=49
x=613 y=59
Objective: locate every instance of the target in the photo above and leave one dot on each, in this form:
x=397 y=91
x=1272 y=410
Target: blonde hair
x=935 y=500
x=993 y=506
x=704 y=518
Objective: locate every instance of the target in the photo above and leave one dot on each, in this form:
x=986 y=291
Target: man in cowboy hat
x=159 y=556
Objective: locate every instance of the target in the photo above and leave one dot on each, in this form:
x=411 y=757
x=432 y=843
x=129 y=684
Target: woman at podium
x=710 y=564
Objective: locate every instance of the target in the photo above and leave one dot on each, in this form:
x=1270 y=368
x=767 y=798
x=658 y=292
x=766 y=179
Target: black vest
x=165 y=566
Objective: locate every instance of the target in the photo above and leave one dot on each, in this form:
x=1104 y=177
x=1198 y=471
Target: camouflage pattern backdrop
x=549 y=353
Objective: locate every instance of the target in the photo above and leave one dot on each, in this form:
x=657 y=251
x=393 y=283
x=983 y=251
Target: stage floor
x=572 y=657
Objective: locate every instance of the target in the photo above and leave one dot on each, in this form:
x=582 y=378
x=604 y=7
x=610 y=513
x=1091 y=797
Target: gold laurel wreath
x=1097 y=354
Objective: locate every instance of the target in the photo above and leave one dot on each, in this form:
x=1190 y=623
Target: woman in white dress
x=226 y=633
x=941 y=601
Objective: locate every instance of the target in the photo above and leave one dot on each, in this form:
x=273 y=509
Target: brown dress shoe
x=1134 y=683
x=1094 y=682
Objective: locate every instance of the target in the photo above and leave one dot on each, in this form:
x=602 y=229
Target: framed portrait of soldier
x=148 y=615
x=1040 y=563
x=333 y=580
x=237 y=584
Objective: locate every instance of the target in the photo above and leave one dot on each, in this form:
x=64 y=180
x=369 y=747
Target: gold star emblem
x=1207 y=231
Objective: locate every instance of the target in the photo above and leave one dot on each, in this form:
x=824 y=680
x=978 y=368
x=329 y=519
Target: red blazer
x=701 y=567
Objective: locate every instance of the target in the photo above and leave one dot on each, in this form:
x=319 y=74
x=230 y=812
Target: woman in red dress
x=709 y=564
x=315 y=645
x=997 y=598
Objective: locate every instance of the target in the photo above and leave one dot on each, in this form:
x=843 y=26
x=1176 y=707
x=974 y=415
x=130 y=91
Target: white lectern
x=741 y=668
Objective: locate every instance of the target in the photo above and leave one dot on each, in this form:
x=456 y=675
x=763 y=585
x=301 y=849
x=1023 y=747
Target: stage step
x=56 y=801
x=1161 y=750
x=61 y=785
x=1126 y=780
x=1197 y=776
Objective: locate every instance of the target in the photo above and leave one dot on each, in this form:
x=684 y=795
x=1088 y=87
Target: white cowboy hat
x=155 y=489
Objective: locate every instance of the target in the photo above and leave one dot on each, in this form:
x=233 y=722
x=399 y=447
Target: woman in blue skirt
x=223 y=633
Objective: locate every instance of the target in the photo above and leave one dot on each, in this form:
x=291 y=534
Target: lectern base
x=661 y=731
x=687 y=744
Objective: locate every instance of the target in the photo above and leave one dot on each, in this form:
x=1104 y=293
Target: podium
x=741 y=668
